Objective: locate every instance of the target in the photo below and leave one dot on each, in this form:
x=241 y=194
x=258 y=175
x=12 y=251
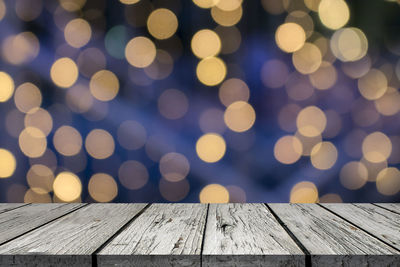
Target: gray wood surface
x=381 y=223
x=395 y=207
x=332 y=241
x=164 y=235
x=21 y=220
x=247 y=235
x=10 y=206
x=69 y=240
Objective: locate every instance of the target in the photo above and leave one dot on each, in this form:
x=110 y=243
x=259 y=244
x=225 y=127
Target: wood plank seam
x=377 y=205
x=39 y=226
x=94 y=254
x=203 y=237
x=27 y=204
x=359 y=227
x=294 y=238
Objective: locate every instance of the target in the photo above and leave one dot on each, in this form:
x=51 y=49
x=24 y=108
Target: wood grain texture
x=379 y=222
x=247 y=235
x=395 y=207
x=164 y=235
x=21 y=220
x=69 y=240
x=331 y=240
x=10 y=206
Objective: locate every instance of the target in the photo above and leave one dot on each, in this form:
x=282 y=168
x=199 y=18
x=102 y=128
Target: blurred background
x=199 y=101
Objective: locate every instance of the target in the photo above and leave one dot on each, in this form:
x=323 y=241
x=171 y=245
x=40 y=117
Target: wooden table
x=200 y=234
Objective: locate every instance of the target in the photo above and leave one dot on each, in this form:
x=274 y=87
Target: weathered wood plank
x=331 y=240
x=247 y=235
x=19 y=221
x=70 y=240
x=164 y=235
x=10 y=206
x=395 y=207
x=379 y=222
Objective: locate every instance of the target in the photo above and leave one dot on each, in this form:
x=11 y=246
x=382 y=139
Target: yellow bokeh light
x=323 y=155
x=32 y=142
x=33 y=197
x=77 y=33
x=40 y=179
x=376 y=147
x=334 y=14
x=64 y=72
x=308 y=59
x=72 y=5
x=162 y=23
x=39 y=118
x=205 y=3
x=104 y=85
x=373 y=85
x=140 y=52
x=226 y=18
x=290 y=37
x=239 y=116
x=325 y=76
x=6 y=86
x=7 y=163
x=174 y=167
x=99 y=144
x=229 y=5
x=3 y=9
x=308 y=142
x=102 y=187
x=27 y=96
x=311 y=121
x=388 y=181
x=389 y=103
x=67 y=141
x=210 y=147
x=21 y=48
x=304 y=192
x=214 y=193
x=129 y=2
x=288 y=149
x=67 y=187
x=211 y=71
x=349 y=44
x=233 y=90
x=353 y=175
x=205 y=43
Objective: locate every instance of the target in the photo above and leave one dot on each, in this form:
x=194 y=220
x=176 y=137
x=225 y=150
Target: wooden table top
x=233 y=234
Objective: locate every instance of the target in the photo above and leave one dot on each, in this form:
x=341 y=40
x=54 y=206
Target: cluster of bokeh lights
x=66 y=160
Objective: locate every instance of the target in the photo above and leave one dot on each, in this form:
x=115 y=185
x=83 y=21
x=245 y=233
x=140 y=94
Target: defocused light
x=102 y=187
x=162 y=23
x=27 y=96
x=389 y=103
x=174 y=167
x=290 y=37
x=288 y=149
x=72 y=5
x=211 y=71
x=287 y=117
x=325 y=76
x=7 y=163
x=39 y=118
x=304 y=192
x=6 y=86
x=32 y=142
x=323 y=155
x=115 y=41
x=353 y=175
x=357 y=69
x=205 y=43
x=334 y=124
x=212 y=120
x=140 y=52
x=239 y=116
x=308 y=59
x=388 y=181
x=334 y=14
x=129 y=2
x=21 y=48
x=274 y=73
x=104 y=85
x=308 y=142
x=214 y=193
x=312 y=4
x=67 y=141
x=3 y=9
x=64 y=72
x=77 y=33
x=274 y=7
x=229 y=5
x=373 y=85
x=236 y=194
x=28 y=10
x=133 y=175
x=233 y=90
x=376 y=147
x=99 y=144
x=230 y=39
x=173 y=104
x=302 y=19
x=40 y=179
x=330 y=198
x=174 y=191
x=226 y=18
x=205 y=3
x=311 y=121
x=349 y=44
x=161 y=67
x=210 y=147
x=67 y=186
x=131 y=135
x=79 y=99
x=299 y=87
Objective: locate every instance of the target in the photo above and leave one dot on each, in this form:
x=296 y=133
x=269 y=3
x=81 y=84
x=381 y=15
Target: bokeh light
x=67 y=186
x=211 y=147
